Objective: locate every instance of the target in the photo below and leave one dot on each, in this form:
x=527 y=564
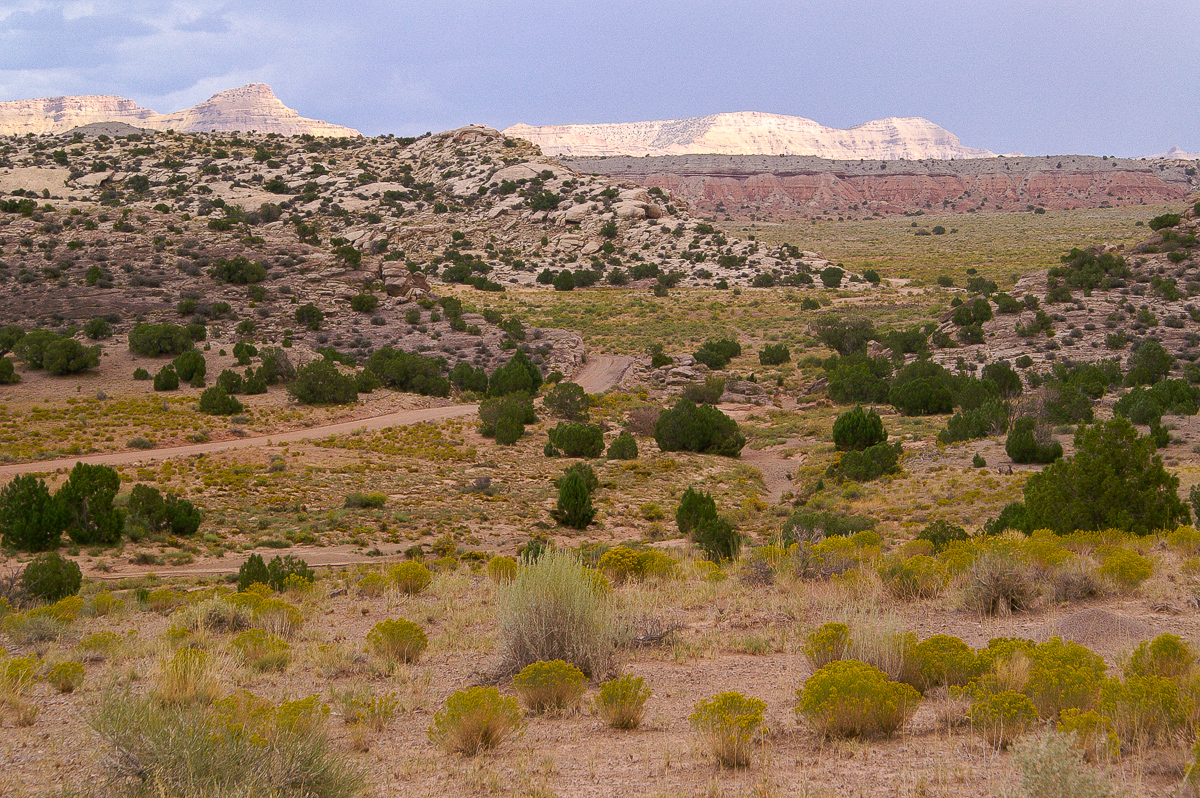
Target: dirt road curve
x=601 y=373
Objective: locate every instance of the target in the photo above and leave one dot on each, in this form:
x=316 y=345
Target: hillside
x=752 y=133
x=137 y=228
x=253 y=107
x=794 y=187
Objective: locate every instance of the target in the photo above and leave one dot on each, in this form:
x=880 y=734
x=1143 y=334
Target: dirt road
x=601 y=373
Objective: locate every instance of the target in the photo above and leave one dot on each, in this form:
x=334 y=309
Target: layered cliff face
x=805 y=187
x=251 y=107
x=752 y=133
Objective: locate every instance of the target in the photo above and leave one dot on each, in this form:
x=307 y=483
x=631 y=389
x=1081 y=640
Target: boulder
x=577 y=213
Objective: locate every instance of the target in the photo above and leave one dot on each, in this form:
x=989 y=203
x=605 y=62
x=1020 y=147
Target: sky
x=1108 y=77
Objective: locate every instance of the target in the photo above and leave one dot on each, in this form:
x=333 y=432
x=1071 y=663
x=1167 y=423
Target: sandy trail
x=601 y=373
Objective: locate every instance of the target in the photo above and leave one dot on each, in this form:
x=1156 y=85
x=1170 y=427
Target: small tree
x=568 y=400
x=774 y=355
x=30 y=518
x=691 y=428
x=51 y=577
x=87 y=496
x=577 y=440
x=518 y=375
x=1028 y=442
x=574 y=507
x=166 y=379
x=694 y=507
x=857 y=429
x=321 y=383
x=189 y=365
x=68 y=356
x=624 y=447
x=310 y=316
x=216 y=402
x=1114 y=480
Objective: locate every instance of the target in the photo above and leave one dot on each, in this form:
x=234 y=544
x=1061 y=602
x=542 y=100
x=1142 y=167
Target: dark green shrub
x=190 y=365
x=716 y=353
x=942 y=533
x=857 y=429
x=1148 y=364
x=717 y=538
x=774 y=355
x=574 y=506
x=87 y=497
x=216 y=402
x=858 y=378
x=518 y=375
x=141 y=374
x=8 y=372
x=310 y=316
x=166 y=379
x=577 y=440
x=51 y=577
x=831 y=276
x=568 y=400
x=320 y=383
x=275 y=574
x=564 y=280
x=238 y=270
x=466 y=377
x=510 y=413
x=31 y=348
x=691 y=428
x=244 y=352
x=97 y=328
x=990 y=418
x=694 y=507
x=230 y=381
x=1113 y=481
x=1023 y=444
x=364 y=303
x=658 y=358
x=68 y=356
x=844 y=335
x=624 y=447
x=11 y=335
x=276 y=366
x=922 y=388
x=1164 y=221
x=157 y=513
x=30 y=518
x=871 y=463
x=151 y=340
x=409 y=371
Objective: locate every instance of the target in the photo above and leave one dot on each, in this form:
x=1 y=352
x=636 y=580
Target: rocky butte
x=753 y=133
x=250 y=107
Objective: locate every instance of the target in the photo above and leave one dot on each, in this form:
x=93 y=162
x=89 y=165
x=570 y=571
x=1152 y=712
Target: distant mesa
x=753 y=133
x=250 y=107
x=1173 y=154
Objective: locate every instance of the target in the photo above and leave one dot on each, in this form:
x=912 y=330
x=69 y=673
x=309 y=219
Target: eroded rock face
x=752 y=133
x=794 y=186
x=250 y=107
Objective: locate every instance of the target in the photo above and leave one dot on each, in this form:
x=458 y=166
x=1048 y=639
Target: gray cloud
x=1035 y=77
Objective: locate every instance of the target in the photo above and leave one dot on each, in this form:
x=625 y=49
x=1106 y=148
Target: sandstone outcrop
x=250 y=107
x=752 y=133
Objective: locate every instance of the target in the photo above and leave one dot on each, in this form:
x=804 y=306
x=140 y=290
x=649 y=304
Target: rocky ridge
x=132 y=228
x=253 y=107
x=752 y=133
x=784 y=187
